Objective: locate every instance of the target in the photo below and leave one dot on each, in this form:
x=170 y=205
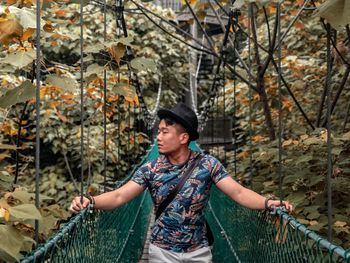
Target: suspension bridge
x=241 y=235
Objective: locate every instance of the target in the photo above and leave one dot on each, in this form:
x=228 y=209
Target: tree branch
x=339 y=91
x=210 y=41
x=293 y=97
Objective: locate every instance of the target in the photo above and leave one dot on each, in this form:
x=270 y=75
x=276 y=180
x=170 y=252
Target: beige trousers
x=159 y=255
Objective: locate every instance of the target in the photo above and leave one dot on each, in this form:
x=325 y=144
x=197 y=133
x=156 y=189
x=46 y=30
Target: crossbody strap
x=178 y=187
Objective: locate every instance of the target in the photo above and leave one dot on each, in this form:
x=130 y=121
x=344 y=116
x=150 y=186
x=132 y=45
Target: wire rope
x=37 y=107
x=82 y=111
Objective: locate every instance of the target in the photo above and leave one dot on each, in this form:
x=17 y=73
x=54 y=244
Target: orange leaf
x=48 y=27
x=243 y=154
x=10 y=2
x=10 y=29
x=62 y=117
x=273 y=9
x=257 y=138
x=54 y=104
x=27 y=34
x=300 y=2
x=299 y=25
x=117 y=51
x=140 y=138
x=112 y=98
x=67 y=96
x=60 y=13
x=287 y=104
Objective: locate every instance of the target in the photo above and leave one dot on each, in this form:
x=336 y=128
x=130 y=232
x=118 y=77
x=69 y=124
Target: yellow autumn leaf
x=191 y=2
x=4 y=213
x=10 y=29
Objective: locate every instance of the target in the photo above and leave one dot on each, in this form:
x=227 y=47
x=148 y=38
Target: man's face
x=170 y=137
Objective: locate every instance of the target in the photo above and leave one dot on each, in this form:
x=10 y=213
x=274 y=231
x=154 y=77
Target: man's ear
x=184 y=138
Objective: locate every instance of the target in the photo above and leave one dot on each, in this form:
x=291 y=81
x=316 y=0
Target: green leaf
x=22 y=93
x=94 y=69
x=5 y=181
x=25 y=16
x=24 y=212
x=27 y=244
x=22 y=195
x=313 y=215
x=19 y=59
x=10 y=243
x=85 y=2
x=48 y=223
x=125 y=40
x=336 y=12
x=65 y=83
x=125 y=90
x=143 y=64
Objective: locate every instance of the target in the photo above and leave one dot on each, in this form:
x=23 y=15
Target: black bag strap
x=177 y=188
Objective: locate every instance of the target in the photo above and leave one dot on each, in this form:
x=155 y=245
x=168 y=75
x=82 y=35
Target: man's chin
x=161 y=151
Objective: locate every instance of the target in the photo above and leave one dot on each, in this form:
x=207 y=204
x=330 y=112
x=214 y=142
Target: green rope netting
x=241 y=235
x=244 y=235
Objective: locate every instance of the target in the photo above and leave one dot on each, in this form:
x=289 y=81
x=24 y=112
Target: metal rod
x=82 y=113
x=37 y=107
x=104 y=103
x=329 y=139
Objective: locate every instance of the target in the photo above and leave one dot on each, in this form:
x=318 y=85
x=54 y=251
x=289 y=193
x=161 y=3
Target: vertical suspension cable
x=82 y=113
x=329 y=139
x=134 y=132
x=129 y=131
x=104 y=101
x=234 y=95
x=224 y=115
x=37 y=107
x=250 y=15
x=280 y=129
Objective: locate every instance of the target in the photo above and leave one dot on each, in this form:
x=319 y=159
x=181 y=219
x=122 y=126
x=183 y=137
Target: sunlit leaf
x=22 y=93
x=27 y=244
x=143 y=64
x=336 y=12
x=24 y=212
x=25 y=16
x=117 y=52
x=125 y=90
x=10 y=243
x=20 y=59
x=65 y=83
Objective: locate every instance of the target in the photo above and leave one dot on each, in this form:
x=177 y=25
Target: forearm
x=108 y=201
x=249 y=199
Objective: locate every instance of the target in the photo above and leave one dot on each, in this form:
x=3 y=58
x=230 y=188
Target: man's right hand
x=77 y=205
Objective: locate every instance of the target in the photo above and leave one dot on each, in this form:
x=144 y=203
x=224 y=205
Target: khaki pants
x=159 y=255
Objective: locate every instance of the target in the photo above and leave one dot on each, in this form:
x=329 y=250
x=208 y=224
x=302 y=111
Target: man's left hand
x=277 y=203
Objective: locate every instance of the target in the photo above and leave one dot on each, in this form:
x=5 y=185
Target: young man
x=179 y=234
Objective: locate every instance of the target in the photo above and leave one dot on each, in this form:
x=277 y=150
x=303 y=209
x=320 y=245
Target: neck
x=179 y=157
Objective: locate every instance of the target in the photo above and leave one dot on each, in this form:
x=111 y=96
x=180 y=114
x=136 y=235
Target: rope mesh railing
x=106 y=236
x=103 y=236
x=244 y=235
x=241 y=235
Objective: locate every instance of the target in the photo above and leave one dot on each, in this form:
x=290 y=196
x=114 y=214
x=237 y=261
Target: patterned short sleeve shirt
x=181 y=227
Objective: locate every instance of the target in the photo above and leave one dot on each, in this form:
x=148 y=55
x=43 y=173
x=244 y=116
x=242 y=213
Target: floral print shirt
x=181 y=227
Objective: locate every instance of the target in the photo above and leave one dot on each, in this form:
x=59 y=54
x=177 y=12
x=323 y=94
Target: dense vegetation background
x=159 y=57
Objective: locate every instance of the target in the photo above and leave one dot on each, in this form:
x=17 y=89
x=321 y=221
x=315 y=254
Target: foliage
x=304 y=69
x=157 y=56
